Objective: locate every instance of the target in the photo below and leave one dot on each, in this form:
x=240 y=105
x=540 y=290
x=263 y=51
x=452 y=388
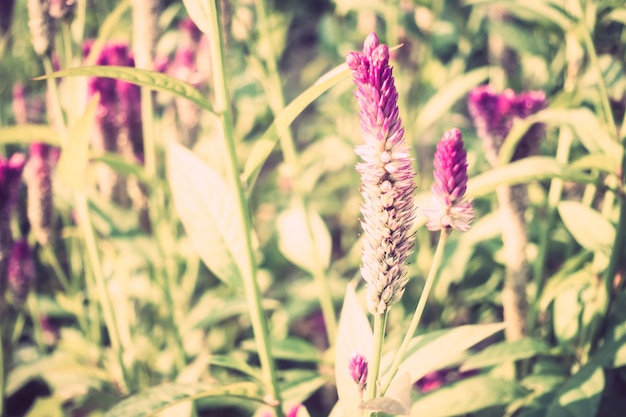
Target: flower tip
x=371 y=43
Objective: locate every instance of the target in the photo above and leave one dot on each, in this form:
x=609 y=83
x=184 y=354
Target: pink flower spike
x=450 y=209
x=387 y=177
x=358 y=370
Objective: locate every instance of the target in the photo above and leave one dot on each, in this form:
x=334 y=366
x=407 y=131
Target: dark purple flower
x=21 y=271
x=451 y=209
x=387 y=177
x=358 y=370
x=494 y=113
x=10 y=179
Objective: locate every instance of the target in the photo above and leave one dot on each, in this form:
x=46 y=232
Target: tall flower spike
x=387 y=177
x=21 y=271
x=38 y=178
x=451 y=209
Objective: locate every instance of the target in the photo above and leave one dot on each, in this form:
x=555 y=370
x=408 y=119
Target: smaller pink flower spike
x=451 y=209
x=358 y=370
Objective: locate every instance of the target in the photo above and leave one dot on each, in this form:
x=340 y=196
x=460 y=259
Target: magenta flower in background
x=494 y=113
x=387 y=177
x=358 y=370
x=21 y=271
x=450 y=209
x=10 y=179
x=118 y=120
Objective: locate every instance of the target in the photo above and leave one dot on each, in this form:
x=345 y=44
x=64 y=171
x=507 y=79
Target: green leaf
x=297 y=385
x=27 y=134
x=72 y=167
x=538 y=9
x=466 y=396
x=231 y=362
x=291 y=349
x=305 y=242
x=441 y=347
x=263 y=147
x=444 y=99
x=562 y=283
x=580 y=396
x=590 y=229
x=597 y=161
x=200 y=12
x=122 y=166
x=158 y=398
x=354 y=336
x=207 y=209
x=566 y=314
x=587 y=126
x=105 y=31
x=617 y=15
x=506 y=352
x=144 y=78
x=397 y=399
x=525 y=170
x=46 y=407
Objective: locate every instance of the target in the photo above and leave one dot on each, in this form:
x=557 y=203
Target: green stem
x=290 y=154
x=49 y=253
x=419 y=310
x=82 y=209
x=595 y=63
x=380 y=322
x=252 y=291
x=554 y=196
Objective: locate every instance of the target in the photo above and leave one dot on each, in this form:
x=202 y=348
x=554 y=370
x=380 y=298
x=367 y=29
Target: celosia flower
x=493 y=116
x=40 y=25
x=40 y=208
x=451 y=209
x=118 y=119
x=387 y=177
x=358 y=370
x=21 y=271
x=10 y=178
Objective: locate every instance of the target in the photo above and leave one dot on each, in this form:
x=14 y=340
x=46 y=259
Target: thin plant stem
x=554 y=196
x=421 y=305
x=48 y=251
x=290 y=154
x=380 y=323
x=251 y=286
x=595 y=63
x=106 y=303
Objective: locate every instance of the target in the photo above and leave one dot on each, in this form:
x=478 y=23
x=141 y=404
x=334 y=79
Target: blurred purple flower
x=38 y=178
x=118 y=119
x=493 y=116
x=387 y=177
x=451 y=209
x=436 y=379
x=21 y=271
x=358 y=370
x=10 y=178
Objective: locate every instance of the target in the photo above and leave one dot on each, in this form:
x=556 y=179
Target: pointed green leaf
x=354 y=337
x=72 y=167
x=263 y=146
x=200 y=12
x=444 y=99
x=581 y=394
x=156 y=399
x=525 y=170
x=291 y=349
x=231 y=362
x=207 y=209
x=294 y=239
x=590 y=229
x=506 y=352
x=27 y=134
x=144 y=78
x=122 y=166
x=441 y=348
x=466 y=396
